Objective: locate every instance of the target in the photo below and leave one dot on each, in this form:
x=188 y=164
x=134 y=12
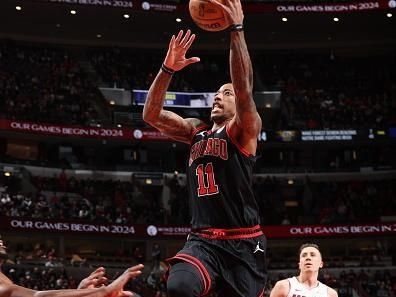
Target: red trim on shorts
x=239 y=147
x=207 y=281
x=197 y=130
x=262 y=293
x=239 y=233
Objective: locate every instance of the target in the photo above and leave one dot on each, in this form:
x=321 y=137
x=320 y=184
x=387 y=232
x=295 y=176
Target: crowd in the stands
x=302 y=202
x=44 y=84
x=319 y=91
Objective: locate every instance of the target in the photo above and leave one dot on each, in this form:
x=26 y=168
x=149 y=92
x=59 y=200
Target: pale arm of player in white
x=332 y=292
x=246 y=124
x=281 y=289
x=166 y=121
x=115 y=289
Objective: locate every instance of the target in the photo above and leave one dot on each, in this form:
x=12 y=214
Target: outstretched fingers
x=189 y=42
x=100 y=281
x=179 y=45
x=238 y=4
x=172 y=41
x=185 y=38
x=192 y=60
x=182 y=40
x=94 y=280
x=178 y=37
x=99 y=272
x=135 y=270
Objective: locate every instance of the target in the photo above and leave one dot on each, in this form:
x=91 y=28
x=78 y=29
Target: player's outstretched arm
x=115 y=289
x=4 y=280
x=153 y=113
x=247 y=123
x=281 y=289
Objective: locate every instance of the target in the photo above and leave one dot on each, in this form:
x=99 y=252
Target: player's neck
x=218 y=125
x=310 y=279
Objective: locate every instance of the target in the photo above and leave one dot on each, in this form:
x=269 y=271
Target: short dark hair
x=309 y=244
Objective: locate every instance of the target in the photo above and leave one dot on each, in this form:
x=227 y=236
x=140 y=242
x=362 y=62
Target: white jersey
x=298 y=289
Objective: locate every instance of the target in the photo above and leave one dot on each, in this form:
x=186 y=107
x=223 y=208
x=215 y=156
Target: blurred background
x=85 y=183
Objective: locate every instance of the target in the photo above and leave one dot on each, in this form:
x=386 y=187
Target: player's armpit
x=281 y=289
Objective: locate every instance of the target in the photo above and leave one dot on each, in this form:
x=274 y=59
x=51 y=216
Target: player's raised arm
x=247 y=123
x=153 y=113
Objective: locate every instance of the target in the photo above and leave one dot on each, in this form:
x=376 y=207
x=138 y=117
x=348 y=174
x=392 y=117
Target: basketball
x=207 y=16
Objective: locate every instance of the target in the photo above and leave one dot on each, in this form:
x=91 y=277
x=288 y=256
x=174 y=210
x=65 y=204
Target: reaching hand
x=178 y=46
x=115 y=289
x=95 y=280
x=232 y=10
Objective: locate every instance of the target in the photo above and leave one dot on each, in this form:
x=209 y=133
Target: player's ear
x=321 y=264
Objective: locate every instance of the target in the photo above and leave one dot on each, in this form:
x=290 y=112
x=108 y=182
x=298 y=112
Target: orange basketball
x=207 y=16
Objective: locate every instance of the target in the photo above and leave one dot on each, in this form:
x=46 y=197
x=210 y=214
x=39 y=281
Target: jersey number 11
x=206 y=180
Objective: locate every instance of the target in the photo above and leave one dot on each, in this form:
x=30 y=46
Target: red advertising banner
x=160 y=231
x=126 y=4
x=54 y=226
x=330 y=230
x=251 y=7
x=82 y=132
x=302 y=7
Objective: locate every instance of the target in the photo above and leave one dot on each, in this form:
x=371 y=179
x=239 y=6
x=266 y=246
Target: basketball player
x=226 y=249
x=306 y=284
x=92 y=286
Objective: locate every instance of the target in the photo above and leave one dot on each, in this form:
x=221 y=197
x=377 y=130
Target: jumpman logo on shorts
x=258 y=249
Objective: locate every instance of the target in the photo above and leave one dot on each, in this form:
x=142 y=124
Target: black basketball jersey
x=219 y=176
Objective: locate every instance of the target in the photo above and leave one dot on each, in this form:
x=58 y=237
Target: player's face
x=223 y=107
x=310 y=260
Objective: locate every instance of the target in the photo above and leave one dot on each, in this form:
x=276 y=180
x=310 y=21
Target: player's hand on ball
x=232 y=10
x=178 y=46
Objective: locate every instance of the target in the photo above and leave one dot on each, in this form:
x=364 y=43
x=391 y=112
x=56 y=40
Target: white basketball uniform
x=298 y=289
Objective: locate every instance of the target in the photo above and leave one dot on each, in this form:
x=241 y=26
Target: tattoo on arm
x=156 y=96
x=242 y=79
x=241 y=65
x=166 y=121
x=174 y=126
